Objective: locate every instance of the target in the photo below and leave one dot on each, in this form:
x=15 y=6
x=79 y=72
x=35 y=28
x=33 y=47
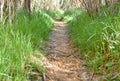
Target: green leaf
x=109 y=64
x=107 y=79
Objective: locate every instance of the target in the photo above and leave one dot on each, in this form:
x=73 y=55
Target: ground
x=63 y=62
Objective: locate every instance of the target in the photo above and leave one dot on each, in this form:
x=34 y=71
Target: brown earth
x=63 y=62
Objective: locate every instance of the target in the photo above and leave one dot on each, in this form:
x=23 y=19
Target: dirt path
x=64 y=63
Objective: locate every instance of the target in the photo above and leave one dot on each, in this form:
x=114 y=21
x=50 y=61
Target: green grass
x=38 y=26
x=70 y=14
x=19 y=42
x=54 y=14
x=98 y=40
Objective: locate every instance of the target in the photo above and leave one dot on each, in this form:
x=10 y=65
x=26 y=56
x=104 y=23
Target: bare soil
x=63 y=62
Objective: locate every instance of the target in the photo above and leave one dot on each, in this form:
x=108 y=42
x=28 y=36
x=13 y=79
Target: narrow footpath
x=64 y=63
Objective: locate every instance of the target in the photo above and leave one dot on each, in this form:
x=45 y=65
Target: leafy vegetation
x=18 y=43
x=98 y=40
x=23 y=35
x=70 y=14
x=54 y=14
x=37 y=25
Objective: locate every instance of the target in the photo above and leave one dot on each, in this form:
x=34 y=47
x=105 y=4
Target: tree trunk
x=27 y=5
x=92 y=6
x=1 y=10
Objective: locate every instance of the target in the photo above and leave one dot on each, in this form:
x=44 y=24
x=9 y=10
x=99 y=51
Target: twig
x=43 y=77
x=115 y=76
x=91 y=79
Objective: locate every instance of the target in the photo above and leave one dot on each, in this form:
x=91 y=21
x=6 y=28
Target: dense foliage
x=98 y=39
x=71 y=14
x=23 y=35
x=18 y=42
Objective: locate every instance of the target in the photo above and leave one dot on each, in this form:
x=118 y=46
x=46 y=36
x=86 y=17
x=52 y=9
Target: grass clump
x=14 y=47
x=54 y=14
x=98 y=39
x=38 y=25
x=70 y=14
x=18 y=43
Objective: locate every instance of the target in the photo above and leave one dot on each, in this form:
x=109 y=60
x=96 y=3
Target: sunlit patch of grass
x=14 y=47
x=69 y=15
x=18 y=43
x=54 y=14
x=37 y=25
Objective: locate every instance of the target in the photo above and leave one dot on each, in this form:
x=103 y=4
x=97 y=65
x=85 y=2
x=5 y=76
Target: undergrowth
x=98 y=40
x=19 y=43
x=54 y=14
x=70 y=14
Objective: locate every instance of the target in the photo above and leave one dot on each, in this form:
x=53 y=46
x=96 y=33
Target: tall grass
x=18 y=42
x=54 y=14
x=98 y=39
x=38 y=26
x=70 y=14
